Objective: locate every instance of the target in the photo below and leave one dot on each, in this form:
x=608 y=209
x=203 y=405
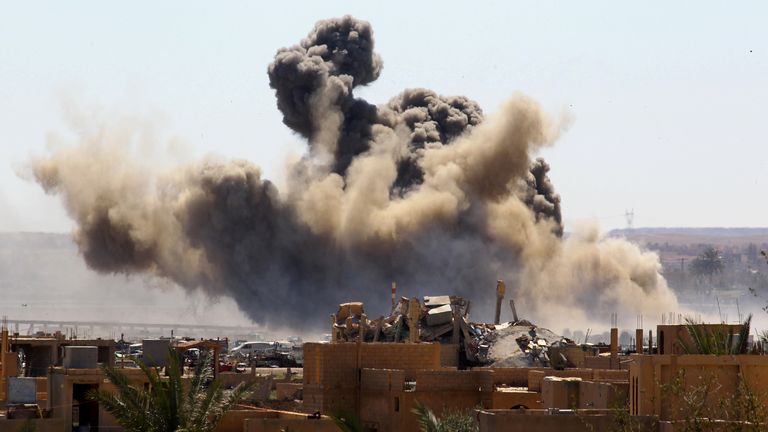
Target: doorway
x=85 y=412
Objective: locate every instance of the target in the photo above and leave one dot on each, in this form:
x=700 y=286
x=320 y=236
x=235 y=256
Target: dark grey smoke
x=431 y=119
x=335 y=57
x=421 y=190
x=541 y=196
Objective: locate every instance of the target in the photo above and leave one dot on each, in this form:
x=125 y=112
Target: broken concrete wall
x=566 y=356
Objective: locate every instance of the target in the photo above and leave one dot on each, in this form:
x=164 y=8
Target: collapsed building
x=444 y=320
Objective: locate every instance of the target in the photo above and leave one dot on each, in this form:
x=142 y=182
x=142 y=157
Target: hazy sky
x=667 y=99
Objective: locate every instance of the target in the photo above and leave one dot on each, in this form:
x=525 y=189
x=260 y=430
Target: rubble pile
x=522 y=344
x=445 y=319
x=433 y=321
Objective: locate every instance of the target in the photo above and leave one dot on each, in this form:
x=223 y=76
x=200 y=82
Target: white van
x=254 y=348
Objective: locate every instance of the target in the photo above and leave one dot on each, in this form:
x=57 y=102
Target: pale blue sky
x=668 y=98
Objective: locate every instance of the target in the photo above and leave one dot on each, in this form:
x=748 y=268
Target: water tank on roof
x=81 y=357
x=155 y=352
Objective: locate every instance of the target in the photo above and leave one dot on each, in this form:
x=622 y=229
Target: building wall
x=560 y=393
x=60 y=387
x=449 y=355
x=515 y=399
x=332 y=371
x=647 y=373
x=388 y=397
x=603 y=395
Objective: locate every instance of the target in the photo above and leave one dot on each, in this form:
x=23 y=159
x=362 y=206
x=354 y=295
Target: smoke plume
x=424 y=190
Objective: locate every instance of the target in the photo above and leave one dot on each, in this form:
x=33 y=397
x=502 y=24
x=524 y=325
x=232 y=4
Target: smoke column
x=424 y=190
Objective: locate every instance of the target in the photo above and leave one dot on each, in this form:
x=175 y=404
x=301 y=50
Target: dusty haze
x=424 y=190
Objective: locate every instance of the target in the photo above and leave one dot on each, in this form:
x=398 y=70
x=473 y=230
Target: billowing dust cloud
x=423 y=190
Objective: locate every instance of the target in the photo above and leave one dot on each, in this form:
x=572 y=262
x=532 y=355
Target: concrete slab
x=439 y=315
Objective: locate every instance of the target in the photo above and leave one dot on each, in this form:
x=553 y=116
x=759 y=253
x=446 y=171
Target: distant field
x=738 y=237
x=43 y=276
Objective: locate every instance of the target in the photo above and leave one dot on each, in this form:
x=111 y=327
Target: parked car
x=254 y=349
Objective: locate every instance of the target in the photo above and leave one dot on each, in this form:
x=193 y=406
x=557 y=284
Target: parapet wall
x=541 y=421
x=600 y=375
x=513 y=377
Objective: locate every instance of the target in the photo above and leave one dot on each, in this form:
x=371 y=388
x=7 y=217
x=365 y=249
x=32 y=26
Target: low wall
x=284 y=421
x=542 y=421
x=285 y=391
x=513 y=377
x=40 y=425
x=535 y=377
x=234 y=420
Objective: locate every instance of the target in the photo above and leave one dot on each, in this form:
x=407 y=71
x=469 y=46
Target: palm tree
x=709 y=263
x=347 y=422
x=165 y=406
x=453 y=421
x=717 y=341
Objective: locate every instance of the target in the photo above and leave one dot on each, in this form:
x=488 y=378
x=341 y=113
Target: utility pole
x=630 y=217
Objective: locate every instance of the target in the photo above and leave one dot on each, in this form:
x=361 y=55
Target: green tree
x=28 y=426
x=452 y=421
x=717 y=341
x=708 y=264
x=165 y=406
x=347 y=422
